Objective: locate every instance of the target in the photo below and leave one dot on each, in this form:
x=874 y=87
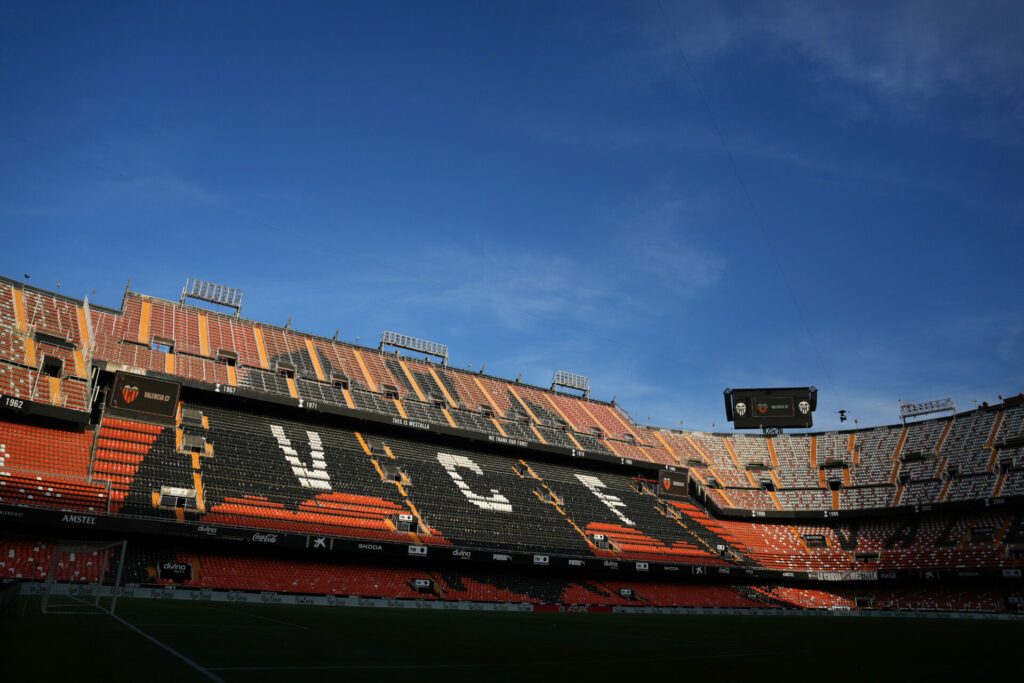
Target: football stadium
x=163 y=460
x=509 y=340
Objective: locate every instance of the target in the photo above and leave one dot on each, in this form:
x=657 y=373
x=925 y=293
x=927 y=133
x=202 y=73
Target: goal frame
x=103 y=548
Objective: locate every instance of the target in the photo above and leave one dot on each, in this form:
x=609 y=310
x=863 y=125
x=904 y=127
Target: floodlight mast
x=423 y=346
x=213 y=293
x=561 y=378
x=908 y=409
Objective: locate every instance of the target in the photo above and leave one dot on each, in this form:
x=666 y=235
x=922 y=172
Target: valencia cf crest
x=762 y=408
x=129 y=393
x=666 y=483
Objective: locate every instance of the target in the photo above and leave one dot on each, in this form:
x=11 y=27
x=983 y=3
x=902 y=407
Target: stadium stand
x=281 y=432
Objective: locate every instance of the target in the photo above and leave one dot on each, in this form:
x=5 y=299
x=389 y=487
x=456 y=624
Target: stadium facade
x=236 y=455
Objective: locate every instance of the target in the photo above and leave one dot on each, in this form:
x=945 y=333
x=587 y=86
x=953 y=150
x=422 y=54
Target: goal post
x=81 y=574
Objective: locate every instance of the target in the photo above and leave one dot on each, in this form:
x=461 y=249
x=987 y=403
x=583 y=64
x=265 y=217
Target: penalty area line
x=413 y=666
x=255 y=616
x=206 y=672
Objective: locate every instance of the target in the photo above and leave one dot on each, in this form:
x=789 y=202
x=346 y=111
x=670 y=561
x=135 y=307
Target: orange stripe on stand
x=291 y=387
x=19 y=310
x=401 y=409
x=412 y=380
x=261 y=348
x=83 y=329
x=993 y=459
x=668 y=448
x=899 y=445
x=697 y=448
x=30 y=352
x=771 y=454
x=942 y=439
x=362 y=443
x=79 y=364
x=348 y=399
x=523 y=404
x=995 y=494
x=451 y=401
x=169 y=363
x=366 y=373
x=498 y=426
x=197 y=481
x=573 y=439
x=489 y=398
x=448 y=416
x=316 y=360
x=626 y=425
x=147 y=312
x=560 y=413
x=609 y=446
x=539 y=435
x=54 y=390
x=232 y=376
x=204 y=335
x=995 y=429
x=597 y=422
x=728 y=447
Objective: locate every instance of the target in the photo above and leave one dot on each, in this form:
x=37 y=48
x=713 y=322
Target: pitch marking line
x=206 y=672
x=256 y=616
x=233 y=627
x=344 y=667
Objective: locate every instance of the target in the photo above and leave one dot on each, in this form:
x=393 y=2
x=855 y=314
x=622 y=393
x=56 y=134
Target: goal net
x=83 y=577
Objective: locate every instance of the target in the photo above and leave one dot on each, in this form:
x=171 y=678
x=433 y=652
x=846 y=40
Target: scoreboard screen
x=771 y=408
x=674 y=483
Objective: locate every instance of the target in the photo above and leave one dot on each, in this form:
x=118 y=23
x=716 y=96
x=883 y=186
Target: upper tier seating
x=928 y=462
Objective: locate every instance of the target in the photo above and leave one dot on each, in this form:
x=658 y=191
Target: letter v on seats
x=311 y=478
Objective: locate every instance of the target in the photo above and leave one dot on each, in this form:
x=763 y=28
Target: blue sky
x=669 y=198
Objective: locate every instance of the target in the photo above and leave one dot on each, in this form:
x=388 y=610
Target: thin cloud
x=909 y=58
x=661 y=250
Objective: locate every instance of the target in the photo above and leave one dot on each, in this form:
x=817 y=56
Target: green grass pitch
x=249 y=642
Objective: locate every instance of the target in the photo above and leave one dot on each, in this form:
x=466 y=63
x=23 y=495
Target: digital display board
x=151 y=397
x=674 y=483
x=771 y=408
